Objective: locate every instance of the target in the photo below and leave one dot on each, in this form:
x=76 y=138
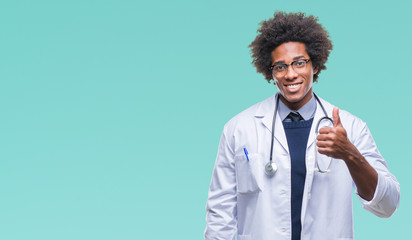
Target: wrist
x=353 y=156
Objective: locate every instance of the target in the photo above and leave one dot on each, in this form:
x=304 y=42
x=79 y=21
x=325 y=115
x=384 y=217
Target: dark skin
x=296 y=97
x=333 y=142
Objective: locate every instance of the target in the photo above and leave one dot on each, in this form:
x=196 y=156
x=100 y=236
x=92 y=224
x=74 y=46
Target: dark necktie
x=295 y=117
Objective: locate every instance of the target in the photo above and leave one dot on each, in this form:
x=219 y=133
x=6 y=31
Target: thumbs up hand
x=333 y=141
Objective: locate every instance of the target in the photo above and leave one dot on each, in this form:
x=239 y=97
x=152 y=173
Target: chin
x=293 y=99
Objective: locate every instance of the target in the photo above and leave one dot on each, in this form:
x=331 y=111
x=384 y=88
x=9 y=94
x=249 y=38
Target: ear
x=315 y=70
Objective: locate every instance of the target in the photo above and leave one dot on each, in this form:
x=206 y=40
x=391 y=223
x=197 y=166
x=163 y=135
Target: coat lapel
x=265 y=115
x=318 y=115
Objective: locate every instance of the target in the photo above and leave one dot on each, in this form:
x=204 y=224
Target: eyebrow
x=282 y=62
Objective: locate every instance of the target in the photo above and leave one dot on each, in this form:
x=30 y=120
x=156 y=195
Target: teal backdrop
x=111 y=111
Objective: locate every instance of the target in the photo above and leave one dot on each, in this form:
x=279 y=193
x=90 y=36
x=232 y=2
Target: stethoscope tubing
x=269 y=170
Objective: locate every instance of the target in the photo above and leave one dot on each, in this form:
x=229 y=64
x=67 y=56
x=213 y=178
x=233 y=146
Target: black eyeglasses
x=279 y=70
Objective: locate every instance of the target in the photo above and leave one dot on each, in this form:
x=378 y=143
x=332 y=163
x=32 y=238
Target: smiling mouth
x=293 y=85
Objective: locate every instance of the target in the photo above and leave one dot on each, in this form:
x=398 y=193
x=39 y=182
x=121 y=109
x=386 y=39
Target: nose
x=291 y=74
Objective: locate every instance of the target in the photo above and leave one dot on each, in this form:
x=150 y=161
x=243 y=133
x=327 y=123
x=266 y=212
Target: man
x=274 y=177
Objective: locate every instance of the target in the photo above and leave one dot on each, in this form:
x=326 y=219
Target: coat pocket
x=246 y=171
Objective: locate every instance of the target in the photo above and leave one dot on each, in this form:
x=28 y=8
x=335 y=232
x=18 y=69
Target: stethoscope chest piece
x=271 y=168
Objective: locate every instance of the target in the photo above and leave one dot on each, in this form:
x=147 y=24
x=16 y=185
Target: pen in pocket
x=246 y=153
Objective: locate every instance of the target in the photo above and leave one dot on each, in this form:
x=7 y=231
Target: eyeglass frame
x=287 y=65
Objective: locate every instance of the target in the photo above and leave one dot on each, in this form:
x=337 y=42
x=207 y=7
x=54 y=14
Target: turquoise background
x=111 y=111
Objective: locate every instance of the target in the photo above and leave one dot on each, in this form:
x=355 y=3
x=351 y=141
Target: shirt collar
x=307 y=111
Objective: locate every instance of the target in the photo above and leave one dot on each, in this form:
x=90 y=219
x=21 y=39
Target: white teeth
x=293 y=86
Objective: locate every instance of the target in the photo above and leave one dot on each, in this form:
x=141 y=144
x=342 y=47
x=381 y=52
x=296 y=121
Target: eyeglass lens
x=280 y=70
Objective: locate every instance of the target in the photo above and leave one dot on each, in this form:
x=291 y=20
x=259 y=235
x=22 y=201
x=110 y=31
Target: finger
x=336 y=118
x=325 y=130
x=324 y=137
x=324 y=144
x=324 y=151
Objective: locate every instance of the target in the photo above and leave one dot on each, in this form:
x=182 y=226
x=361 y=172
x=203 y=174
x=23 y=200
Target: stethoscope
x=271 y=166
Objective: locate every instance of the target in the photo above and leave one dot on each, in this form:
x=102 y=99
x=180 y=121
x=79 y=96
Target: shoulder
x=247 y=116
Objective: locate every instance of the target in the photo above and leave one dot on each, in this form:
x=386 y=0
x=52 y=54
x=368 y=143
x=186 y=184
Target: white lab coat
x=244 y=202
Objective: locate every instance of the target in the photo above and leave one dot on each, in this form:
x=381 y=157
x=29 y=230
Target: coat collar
x=265 y=113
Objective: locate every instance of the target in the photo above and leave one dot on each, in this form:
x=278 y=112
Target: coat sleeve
x=221 y=205
x=387 y=194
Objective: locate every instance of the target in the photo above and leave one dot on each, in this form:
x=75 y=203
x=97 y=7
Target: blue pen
x=246 y=153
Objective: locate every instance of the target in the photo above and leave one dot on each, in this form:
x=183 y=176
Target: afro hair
x=290 y=27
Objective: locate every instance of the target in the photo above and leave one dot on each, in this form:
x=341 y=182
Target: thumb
x=336 y=118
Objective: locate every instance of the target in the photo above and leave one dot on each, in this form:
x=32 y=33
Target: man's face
x=295 y=88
